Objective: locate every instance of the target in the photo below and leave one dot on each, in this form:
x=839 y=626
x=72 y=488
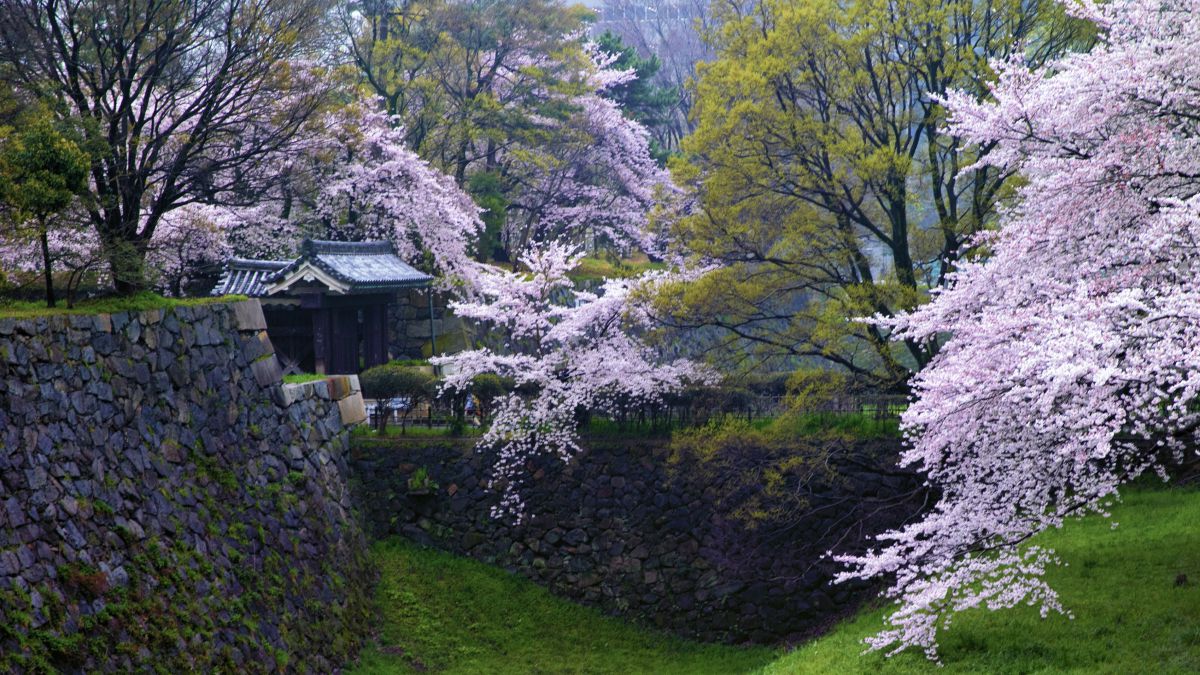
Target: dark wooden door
x=345 y=341
x=375 y=337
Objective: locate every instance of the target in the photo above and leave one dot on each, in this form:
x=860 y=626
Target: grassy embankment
x=24 y=309
x=454 y=615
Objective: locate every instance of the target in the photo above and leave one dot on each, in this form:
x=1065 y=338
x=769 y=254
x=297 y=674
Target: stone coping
x=343 y=389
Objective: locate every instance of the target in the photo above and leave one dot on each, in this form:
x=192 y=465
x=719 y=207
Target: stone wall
x=409 y=333
x=636 y=532
x=166 y=504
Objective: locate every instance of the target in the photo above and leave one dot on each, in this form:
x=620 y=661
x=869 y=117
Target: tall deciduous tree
x=1073 y=363
x=827 y=188
x=188 y=99
x=465 y=78
x=509 y=100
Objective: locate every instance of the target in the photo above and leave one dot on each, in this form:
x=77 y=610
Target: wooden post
x=432 y=331
x=321 y=339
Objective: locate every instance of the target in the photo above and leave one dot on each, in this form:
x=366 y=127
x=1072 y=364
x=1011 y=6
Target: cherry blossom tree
x=189 y=242
x=382 y=190
x=1073 y=359
x=566 y=350
x=513 y=102
x=348 y=176
x=599 y=180
x=72 y=248
x=188 y=101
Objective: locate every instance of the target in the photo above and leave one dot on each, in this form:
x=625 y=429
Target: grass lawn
x=416 y=430
x=450 y=614
x=24 y=309
x=454 y=615
x=591 y=268
x=1130 y=617
x=301 y=378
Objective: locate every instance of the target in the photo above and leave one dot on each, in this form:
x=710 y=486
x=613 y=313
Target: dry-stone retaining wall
x=410 y=325
x=625 y=528
x=167 y=505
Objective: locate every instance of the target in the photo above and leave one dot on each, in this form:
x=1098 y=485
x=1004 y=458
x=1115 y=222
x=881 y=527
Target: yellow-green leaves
x=828 y=189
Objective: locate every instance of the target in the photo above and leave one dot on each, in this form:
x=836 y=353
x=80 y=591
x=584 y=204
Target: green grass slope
x=1130 y=616
x=448 y=614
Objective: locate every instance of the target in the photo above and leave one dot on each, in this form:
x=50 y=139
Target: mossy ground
x=454 y=615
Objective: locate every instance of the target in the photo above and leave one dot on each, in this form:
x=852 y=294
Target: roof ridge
x=330 y=247
x=258 y=263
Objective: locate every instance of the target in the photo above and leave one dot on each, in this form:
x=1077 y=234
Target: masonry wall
x=636 y=532
x=409 y=324
x=167 y=505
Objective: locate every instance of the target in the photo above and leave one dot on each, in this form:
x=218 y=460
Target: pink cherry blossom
x=565 y=349
x=1072 y=363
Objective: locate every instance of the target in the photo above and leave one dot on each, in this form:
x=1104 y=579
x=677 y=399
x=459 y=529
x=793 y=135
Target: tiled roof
x=247 y=277
x=356 y=267
x=366 y=265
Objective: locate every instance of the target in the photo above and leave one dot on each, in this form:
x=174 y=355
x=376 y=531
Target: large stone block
x=248 y=315
x=267 y=371
x=352 y=409
x=340 y=386
x=290 y=393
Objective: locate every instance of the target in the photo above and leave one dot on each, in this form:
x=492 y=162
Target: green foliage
x=770 y=465
x=602 y=428
x=363 y=435
x=594 y=268
x=487 y=189
x=41 y=173
x=642 y=100
x=846 y=426
x=41 y=169
x=421 y=481
x=486 y=388
x=819 y=158
x=424 y=59
x=409 y=362
x=1131 y=616
x=456 y=615
x=390 y=381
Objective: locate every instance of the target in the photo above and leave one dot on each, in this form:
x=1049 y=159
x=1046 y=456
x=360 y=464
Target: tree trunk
x=126 y=260
x=46 y=265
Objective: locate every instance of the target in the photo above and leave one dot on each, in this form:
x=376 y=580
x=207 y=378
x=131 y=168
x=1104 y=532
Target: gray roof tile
x=366 y=267
x=244 y=276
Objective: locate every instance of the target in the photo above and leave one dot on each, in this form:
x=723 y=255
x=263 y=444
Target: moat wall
x=166 y=504
x=631 y=529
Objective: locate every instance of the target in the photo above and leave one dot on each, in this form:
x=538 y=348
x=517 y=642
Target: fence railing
x=679 y=413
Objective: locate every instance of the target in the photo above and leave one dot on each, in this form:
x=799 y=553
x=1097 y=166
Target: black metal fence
x=689 y=409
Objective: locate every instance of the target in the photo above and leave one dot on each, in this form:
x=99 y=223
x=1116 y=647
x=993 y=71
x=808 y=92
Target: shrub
x=486 y=388
x=396 y=389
